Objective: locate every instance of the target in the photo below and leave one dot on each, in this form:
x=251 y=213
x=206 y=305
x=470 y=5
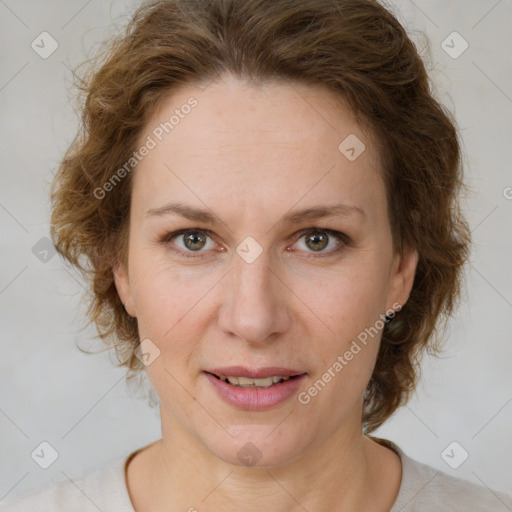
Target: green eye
x=193 y=240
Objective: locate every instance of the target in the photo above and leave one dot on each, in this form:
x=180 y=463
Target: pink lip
x=255 y=399
x=259 y=373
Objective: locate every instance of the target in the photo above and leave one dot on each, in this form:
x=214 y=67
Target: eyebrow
x=317 y=212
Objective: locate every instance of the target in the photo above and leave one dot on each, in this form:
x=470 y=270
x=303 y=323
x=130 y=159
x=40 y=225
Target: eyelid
x=174 y=234
x=342 y=238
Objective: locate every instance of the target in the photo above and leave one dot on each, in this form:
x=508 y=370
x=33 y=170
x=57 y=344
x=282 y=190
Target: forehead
x=239 y=111
x=269 y=142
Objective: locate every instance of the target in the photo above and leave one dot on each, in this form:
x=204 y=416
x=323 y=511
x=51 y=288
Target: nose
x=255 y=301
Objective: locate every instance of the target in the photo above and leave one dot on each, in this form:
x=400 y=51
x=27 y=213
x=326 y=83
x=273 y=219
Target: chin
x=258 y=446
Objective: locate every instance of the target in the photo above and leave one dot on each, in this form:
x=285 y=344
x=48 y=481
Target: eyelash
x=341 y=237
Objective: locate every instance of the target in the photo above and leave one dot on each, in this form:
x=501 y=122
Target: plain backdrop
x=79 y=404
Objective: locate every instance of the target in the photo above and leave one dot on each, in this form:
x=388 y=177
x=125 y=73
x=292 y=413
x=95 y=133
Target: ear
x=122 y=282
x=402 y=277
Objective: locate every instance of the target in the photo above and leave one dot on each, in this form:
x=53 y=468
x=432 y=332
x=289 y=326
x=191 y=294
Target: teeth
x=244 y=382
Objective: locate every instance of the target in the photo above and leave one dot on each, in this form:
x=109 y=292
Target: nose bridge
x=253 y=277
x=254 y=308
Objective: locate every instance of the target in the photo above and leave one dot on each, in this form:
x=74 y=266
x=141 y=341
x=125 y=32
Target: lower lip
x=256 y=399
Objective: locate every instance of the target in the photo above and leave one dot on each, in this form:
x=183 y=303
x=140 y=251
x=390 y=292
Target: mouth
x=262 y=383
x=255 y=390
x=265 y=377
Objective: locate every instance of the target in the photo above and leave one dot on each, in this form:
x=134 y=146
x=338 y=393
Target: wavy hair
x=356 y=48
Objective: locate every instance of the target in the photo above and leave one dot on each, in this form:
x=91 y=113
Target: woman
x=264 y=196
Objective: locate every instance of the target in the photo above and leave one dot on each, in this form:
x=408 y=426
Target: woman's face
x=256 y=286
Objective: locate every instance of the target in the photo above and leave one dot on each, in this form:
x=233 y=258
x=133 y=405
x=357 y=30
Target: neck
x=346 y=471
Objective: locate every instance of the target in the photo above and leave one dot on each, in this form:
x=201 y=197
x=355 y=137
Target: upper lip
x=258 y=373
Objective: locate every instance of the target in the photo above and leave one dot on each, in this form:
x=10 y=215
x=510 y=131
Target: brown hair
x=356 y=48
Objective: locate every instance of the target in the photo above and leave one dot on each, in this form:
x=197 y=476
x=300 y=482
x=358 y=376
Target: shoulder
x=424 y=489
x=101 y=488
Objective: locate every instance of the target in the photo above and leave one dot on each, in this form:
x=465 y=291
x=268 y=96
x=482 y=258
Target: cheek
x=349 y=299
x=348 y=310
x=171 y=301
x=346 y=347
x=160 y=295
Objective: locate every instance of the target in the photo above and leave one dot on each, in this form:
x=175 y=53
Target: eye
x=317 y=239
x=193 y=240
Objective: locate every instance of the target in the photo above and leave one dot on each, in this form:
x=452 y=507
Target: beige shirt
x=422 y=489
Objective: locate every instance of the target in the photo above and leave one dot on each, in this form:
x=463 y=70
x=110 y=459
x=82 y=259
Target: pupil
x=317 y=237
x=193 y=240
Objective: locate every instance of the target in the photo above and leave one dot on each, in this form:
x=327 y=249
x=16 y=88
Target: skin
x=252 y=154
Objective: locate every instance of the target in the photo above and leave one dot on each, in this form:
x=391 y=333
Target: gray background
x=80 y=404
